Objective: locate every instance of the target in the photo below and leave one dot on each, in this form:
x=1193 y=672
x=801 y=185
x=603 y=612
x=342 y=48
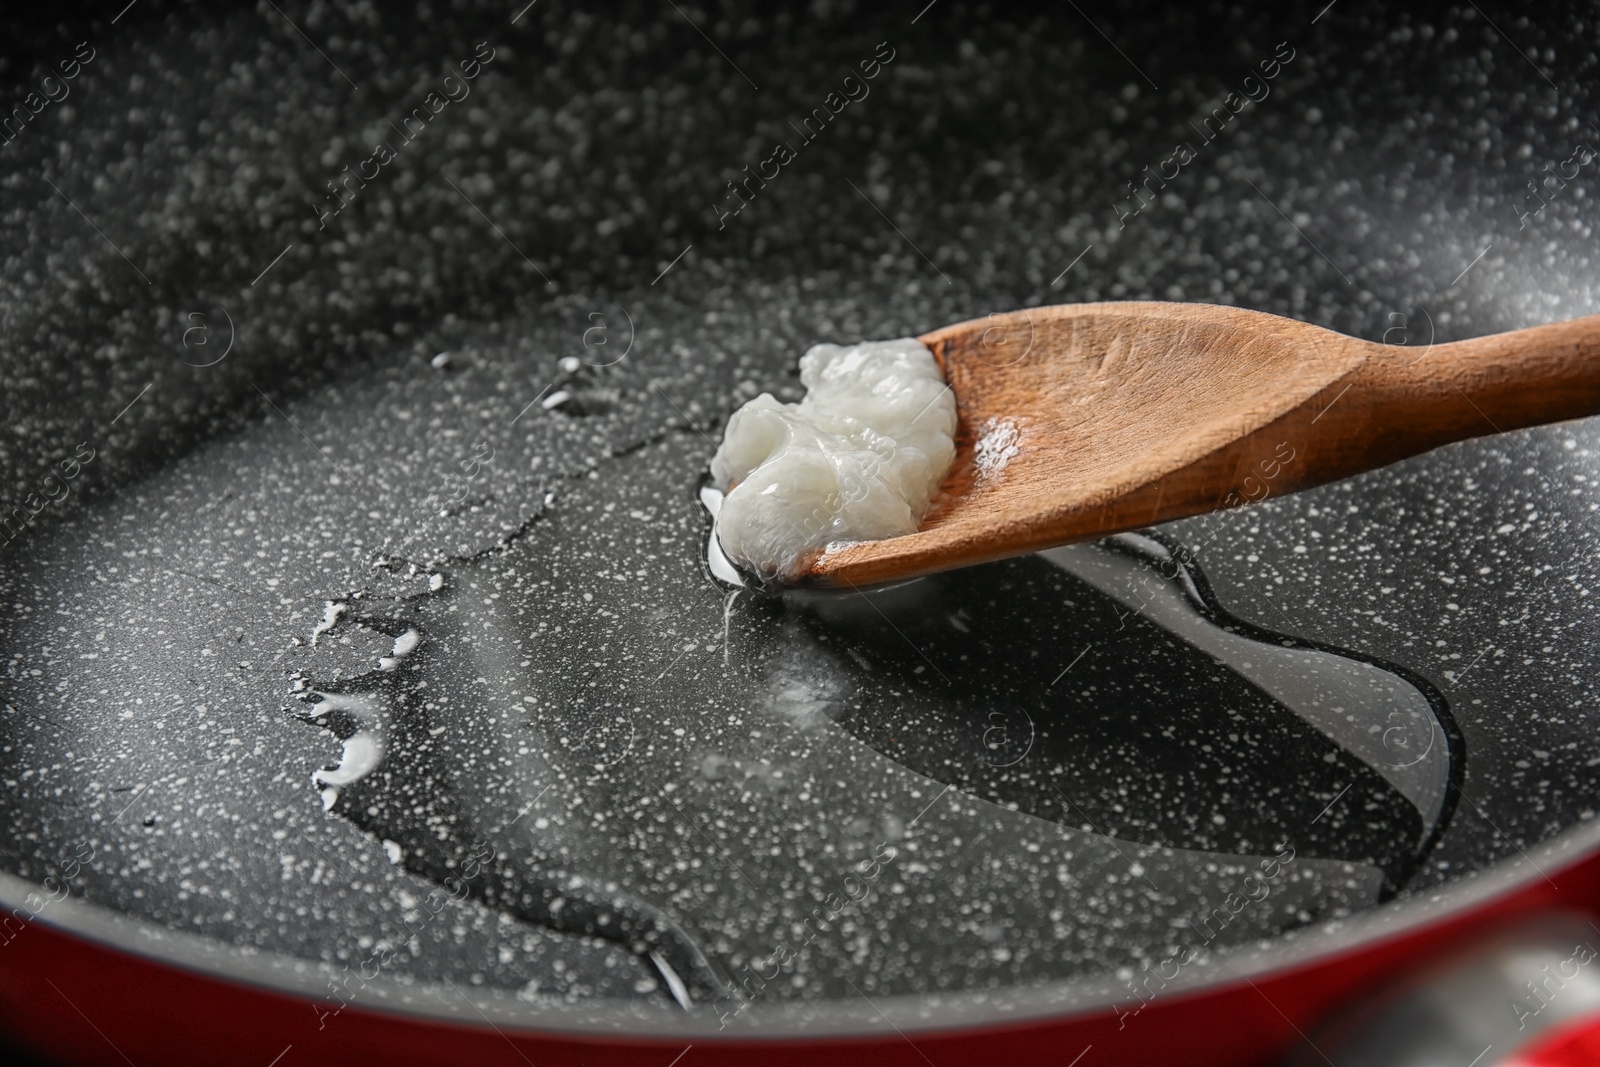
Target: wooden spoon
x=1084 y=420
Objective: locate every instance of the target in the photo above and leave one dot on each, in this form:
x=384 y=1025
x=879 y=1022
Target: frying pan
x=367 y=693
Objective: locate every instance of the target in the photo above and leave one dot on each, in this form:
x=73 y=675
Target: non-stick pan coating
x=296 y=437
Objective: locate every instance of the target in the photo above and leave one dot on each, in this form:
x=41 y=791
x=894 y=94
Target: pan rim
x=962 y=1011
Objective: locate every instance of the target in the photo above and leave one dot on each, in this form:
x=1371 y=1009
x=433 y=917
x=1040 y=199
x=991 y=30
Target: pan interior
x=376 y=634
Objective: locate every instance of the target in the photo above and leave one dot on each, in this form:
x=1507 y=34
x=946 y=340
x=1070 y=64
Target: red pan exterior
x=78 y=1001
x=1575 y=1046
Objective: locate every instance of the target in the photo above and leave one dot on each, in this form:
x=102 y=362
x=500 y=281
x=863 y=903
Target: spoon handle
x=1394 y=403
x=1409 y=400
x=1505 y=381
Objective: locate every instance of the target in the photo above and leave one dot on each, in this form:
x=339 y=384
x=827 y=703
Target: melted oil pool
x=1041 y=764
x=1056 y=766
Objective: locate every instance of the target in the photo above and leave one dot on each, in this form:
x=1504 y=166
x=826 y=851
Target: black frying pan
x=358 y=613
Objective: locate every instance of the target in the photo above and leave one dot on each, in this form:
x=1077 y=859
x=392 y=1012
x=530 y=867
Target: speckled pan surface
x=585 y=769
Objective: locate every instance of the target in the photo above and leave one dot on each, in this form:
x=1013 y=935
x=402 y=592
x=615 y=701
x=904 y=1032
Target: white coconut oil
x=859 y=458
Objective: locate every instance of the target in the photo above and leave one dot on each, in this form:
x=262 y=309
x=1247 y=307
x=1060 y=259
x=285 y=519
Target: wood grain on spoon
x=1129 y=414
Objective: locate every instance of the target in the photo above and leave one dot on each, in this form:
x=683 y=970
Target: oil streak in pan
x=1177 y=734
